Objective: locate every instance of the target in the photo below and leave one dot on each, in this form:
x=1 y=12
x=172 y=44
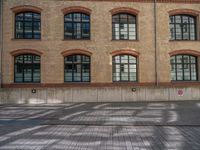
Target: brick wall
x=52 y=45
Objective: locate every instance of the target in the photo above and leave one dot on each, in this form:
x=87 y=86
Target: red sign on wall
x=180 y=93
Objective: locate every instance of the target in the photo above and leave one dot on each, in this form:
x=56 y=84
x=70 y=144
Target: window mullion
x=189 y=27
x=190 y=65
x=183 y=68
x=119 y=27
x=81 y=25
x=176 y=68
x=128 y=69
x=23 y=69
x=127 y=27
x=182 y=36
x=73 y=68
x=73 y=26
x=32 y=68
x=81 y=64
x=32 y=26
x=23 y=22
x=120 y=68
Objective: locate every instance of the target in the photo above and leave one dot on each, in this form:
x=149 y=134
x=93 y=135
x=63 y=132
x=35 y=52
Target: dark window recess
x=28 y=25
x=183 y=27
x=184 y=68
x=27 y=69
x=124 y=27
x=77 y=26
x=77 y=68
x=124 y=68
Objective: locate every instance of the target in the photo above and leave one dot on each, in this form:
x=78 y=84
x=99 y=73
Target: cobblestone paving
x=106 y=126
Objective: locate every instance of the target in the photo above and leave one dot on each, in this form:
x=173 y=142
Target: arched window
x=124 y=27
x=183 y=27
x=27 y=25
x=184 y=68
x=77 y=68
x=124 y=68
x=77 y=26
x=27 y=68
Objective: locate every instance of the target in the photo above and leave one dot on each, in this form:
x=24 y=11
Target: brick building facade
x=100 y=50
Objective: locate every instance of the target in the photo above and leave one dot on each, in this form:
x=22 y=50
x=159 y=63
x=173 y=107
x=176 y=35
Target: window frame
x=81 y=63
x=182 y=63
x=113 y=67
x=23 y=22
x=136 y=26
x=73 y=37
x=189 y=23
x=32 y=68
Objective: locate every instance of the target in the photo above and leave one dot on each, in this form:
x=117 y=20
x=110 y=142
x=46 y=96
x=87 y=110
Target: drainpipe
x=155 y=43
x=1 y=40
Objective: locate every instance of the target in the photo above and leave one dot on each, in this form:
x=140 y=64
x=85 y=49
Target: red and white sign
x=180 y=92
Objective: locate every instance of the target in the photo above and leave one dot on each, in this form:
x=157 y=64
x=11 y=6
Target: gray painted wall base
x=107 y=94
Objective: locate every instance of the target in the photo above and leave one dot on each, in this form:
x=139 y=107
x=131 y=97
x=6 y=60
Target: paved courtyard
x=95 y=126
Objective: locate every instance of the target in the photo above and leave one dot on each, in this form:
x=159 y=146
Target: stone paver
x=95 y=126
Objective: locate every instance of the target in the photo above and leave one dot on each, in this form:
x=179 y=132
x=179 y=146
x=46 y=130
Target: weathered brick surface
x=101 y=45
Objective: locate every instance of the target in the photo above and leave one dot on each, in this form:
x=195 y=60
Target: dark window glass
x=124 y=27
x=27 y=68
x=27 y=25
x=183 y=27
x=77 y=26
x=77 y=68
x=184 y=68
x=124 y=68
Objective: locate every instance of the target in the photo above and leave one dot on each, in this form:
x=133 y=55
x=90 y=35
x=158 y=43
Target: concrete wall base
x=97 y=94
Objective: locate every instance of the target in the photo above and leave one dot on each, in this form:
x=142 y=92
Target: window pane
x=172 y=31
x=85 y=30
x=77 y=17
x=68 y=17
x=179 y=58
x=173 y=72
x=193 y=72
x=28 y=16
x=124 y=58
x=20 y=17
x=36 y=17
x=115 y=19
x=123 y=18
x=27 y=74
x=68 y=30
x=132 y=59
x=172 y=19
x=178 y=19
x=85 y=18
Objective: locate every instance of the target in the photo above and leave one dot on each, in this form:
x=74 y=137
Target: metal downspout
x=1 y=41
x=155 y=43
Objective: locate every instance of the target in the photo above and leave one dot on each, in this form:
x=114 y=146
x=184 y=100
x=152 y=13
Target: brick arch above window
x=23 y=8
x=184 y=11
x=188 y=52
x=76 y=9
x=125 y=52
x=76 y=51
x=124 y=10
x=25 y=51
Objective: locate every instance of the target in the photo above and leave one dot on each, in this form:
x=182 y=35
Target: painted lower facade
x=147 y=37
